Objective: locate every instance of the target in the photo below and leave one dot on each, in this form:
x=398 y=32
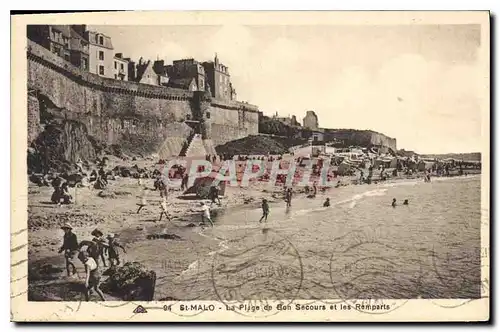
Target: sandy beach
x=187 y=245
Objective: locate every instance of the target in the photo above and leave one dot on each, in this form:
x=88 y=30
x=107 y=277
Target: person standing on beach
x=143 y=201
x=92 y=275
x=163 y=206
x=96 y=247
x=205 y=210
x=113 y=253
x=265 y=210
x=327 y=202
x=393 y=203
x=214 y=194
x=288 y=197
x=70 y=247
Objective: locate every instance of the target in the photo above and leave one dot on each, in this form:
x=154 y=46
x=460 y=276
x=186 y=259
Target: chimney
x=80 y=29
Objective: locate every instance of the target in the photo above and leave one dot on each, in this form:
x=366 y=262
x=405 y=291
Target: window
x=208 y=115
x=101 y=55
x=101 y=70
x=101 y=40
x=116 y=77
x=96 y=39
x=121 y=66
x=84 y=64
x=116 y=65
x=66 y=57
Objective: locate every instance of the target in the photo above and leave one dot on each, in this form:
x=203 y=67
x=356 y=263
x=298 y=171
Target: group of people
x=394 y=202
x=288 y=200
x=90 y=253
x=61 y=193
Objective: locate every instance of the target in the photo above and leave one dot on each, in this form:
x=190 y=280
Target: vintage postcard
x=251 y=166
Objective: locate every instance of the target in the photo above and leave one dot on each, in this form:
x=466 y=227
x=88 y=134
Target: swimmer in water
x=405 y=202
x=394 y=202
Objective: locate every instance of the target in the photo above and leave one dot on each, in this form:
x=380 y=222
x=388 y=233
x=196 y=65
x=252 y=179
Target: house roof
x=65 y=29
x=182 y=83
x=141 y=69
x=106 y=40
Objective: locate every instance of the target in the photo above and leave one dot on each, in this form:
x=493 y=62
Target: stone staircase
x=193 y=147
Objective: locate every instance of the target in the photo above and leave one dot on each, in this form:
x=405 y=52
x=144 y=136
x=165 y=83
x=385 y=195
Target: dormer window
x=101 y=40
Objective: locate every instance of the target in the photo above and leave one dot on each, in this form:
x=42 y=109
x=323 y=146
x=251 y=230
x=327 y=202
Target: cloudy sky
x=419 y=83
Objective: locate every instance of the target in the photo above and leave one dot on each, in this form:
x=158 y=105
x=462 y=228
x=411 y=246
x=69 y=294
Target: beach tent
x=386 y=162
x=424 y=165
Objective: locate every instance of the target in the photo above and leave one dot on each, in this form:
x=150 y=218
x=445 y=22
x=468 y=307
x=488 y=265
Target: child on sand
x=206 y=214
x=163 y=206
x=96 y=247
x=265 y=210
x=143 y=201
x=92 y=275
x=326 y=203
x=113 y=253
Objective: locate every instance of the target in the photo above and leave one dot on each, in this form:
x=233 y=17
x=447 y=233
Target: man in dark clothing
x=214 y=194
x=288 y=197
x=70 y=247
x=265 y=210
x=56 y=183
x=184 y=183
x=103 y=176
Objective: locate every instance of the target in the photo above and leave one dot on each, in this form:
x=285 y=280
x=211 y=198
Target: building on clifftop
x=187 y=74
x=120 y=67
x=219 y=80
x=101 y=54
x=311 y=120
x=66 y=41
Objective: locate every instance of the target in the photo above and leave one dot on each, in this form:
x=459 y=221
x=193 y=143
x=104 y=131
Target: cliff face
x=139 y=118
x=365 y=138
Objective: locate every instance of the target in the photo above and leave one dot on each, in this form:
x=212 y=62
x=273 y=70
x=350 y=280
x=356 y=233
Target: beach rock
x=106 y=194
x=165 y=236
x=130 y=282
x=122 y=193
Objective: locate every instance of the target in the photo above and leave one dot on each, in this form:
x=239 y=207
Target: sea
x=361 y=247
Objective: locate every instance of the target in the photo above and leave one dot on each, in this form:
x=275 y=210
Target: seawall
x=138 y=117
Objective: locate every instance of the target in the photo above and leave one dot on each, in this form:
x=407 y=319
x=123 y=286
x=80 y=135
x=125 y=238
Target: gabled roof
x=141 y=69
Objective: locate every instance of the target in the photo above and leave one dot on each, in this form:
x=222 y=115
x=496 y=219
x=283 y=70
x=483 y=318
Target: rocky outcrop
x=61 y=143
x=363 y=138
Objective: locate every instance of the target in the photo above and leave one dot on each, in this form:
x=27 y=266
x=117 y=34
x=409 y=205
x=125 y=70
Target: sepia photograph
x=262 y=168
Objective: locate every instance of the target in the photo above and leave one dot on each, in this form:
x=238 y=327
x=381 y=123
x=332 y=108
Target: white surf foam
x=354 y=199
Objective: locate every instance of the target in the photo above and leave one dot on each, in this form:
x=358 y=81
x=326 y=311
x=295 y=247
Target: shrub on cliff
x=260 y=145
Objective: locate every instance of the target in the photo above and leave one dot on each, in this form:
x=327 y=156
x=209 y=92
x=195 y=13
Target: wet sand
x=293 y=255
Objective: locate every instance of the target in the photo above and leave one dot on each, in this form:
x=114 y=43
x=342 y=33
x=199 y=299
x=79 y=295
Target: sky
x=416 y=83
